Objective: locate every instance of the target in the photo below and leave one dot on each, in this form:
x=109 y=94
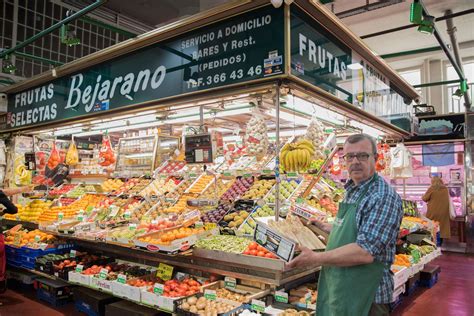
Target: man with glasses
x=355 y=278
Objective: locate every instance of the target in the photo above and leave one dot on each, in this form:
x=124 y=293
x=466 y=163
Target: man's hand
x=306 y=258
x=318 y=222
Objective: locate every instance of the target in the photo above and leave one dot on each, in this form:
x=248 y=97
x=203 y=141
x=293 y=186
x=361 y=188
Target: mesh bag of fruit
x=106 y=154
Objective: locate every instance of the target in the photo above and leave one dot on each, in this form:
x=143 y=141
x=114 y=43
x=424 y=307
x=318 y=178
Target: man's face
x=360 y=170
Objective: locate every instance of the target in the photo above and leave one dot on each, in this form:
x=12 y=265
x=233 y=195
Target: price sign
x=103 y=273
x=37 y=238
x=60 y=216
x=191 y=215
x=210 y=295
x=73 y=253
x=230 y=283
x=80 y=217
x=127 y=215
x=281 y=297
x=227 y=174
x=79 y=268
x=266 y=171
x=17 y=239
x=292 y=175
x=164 y=271
x=247 y=175
x=122 y=278
x=158 y=289
x=258 y=306
x=132 y=226
x=198 y=224
x=192 y=175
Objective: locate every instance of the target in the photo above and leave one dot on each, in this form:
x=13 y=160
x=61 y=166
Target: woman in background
x=437 y=198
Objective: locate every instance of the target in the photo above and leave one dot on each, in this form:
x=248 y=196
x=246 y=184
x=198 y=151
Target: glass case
x=137 y=156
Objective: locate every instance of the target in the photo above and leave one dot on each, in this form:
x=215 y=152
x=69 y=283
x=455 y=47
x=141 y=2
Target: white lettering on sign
x=104 y=90
x=321 y=57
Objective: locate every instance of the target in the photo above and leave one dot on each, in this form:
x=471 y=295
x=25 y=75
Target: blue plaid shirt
x=378 y=222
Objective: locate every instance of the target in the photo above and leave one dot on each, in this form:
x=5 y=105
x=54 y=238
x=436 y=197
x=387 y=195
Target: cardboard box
x=126 y=291
x=101 y=285
x=93 y=300
x=400 y=277
x=398 y=291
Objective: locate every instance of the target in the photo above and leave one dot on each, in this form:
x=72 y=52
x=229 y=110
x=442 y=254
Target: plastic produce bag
x=106 y=154
x=72 y=155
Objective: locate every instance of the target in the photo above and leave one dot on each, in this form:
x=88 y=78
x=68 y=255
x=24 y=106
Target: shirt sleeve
x=380 y=223
x=5 y=201
x=427 y=196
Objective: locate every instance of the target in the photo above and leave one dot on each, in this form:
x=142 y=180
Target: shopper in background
x=10 y=208
x=355 y=278
x=437 y=198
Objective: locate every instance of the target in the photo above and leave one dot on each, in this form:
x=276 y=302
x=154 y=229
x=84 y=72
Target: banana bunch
x=22 y=175
x=297 y=156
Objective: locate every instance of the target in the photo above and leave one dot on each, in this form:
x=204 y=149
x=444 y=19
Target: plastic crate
x=430 y=282
x=46 y=296
x=396 y=303
x=85 y=308
x=410 y=290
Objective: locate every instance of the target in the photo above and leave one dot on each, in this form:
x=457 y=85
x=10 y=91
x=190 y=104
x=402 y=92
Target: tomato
x=247 y=252
x=261 y=254
x=268 y=255
x=260 y=248
x=253 y=246
x=253 y=252
x=167 y=288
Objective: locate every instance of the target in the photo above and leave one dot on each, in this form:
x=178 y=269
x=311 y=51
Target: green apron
x=347 y=290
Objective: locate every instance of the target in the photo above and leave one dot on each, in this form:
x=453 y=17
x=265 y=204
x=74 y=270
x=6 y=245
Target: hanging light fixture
x=427 y=25
x=68 y=33
x=7 y=65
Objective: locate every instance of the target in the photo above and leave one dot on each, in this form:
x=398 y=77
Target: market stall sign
x=242 y=48
x=271 y=240
x=321 y=59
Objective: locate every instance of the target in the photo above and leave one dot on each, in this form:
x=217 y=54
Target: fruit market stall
x=211 y=178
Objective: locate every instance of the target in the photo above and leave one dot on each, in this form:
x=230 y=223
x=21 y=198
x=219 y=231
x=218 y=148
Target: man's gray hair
x=360 y=137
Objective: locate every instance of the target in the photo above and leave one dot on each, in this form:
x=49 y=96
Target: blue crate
x=397 y=303
x=431 y=282
x=85 y=308
x=46 y=296
x=409 y=291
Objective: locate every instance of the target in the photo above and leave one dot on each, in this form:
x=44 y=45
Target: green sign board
x=245 y=47
x=320 y=58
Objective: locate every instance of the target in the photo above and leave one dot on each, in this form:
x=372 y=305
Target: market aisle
x=24 y=303
x=452 y=295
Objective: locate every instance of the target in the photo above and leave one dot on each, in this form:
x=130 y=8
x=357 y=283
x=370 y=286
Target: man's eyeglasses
x=359 y=156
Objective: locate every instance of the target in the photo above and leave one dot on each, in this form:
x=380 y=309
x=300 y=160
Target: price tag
x=122 y=278
x=79 y=268
x=164 y=271
x=73 y=253
x=247 y=175
x=227 y=174
x=307 y=298
x=132 y=226
x=266 y=171
x=37 y=238
x=198 y=224
x=191 y=215
x=292 y=175
x=210 y=295
x=192 y=175
x=127 y=215
x=113 y=210
x=258 y=306
x=281 y=297
x=103 y=273
x=154 y=222
x=60 y=216
x=80 y=217
x=158 y=289
x=230 y=283
x=17 y=239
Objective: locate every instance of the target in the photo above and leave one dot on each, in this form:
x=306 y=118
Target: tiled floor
x=453 y=295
